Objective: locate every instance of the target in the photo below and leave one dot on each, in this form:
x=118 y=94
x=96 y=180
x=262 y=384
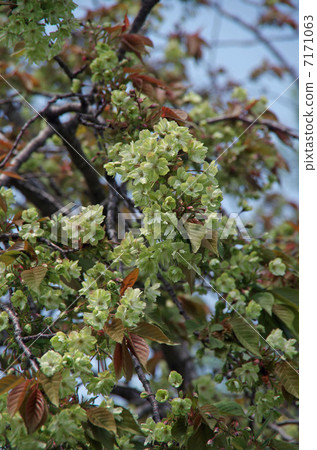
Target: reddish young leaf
x=12 y=174
x=9 y=382
x=134 y=70
x=127 y=362
x=34 y=410
x=16 y=397
x=129 y=280
x=147 y=85
x=152 y=332
x=154 y=117
x=136 y=43
x=194 y=43
x=118 y=360
x=5 y=144
x=174 y=114
x=126 y=23
x=3 y=204
x=139 y=347
x=147 y=79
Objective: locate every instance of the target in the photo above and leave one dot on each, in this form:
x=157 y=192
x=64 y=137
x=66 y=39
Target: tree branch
x=128 y=393
x=255 y=30
x=147 y=388
x=144 y=11
x=270 y=124
x=24 y=154
x=64 y=67
x=67 y=134
x=281 y=432
x=40 y=139
x=169 y=289
x=112 y=209
x=37 y=336
x=36 y=193
x=18 y=337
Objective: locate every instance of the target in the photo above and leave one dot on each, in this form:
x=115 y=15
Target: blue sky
x=238 y=60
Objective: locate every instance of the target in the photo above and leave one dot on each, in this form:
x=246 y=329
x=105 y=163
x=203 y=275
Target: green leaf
x=282 y=445
x=210 y=413
x=199 y=439
x=285 y=314
x=115 y=330
x=99 y=435
x=179 y=429
x=190 y=275
x=128 y=422
x=230 y=408
x=245 y=334
x=215 y=343
x=196 y=234
x=266 y=300
x=212 y=244
x=34 y=277
x=103 y=418
x=289 y=378
x=51 y=386
x=288 y=296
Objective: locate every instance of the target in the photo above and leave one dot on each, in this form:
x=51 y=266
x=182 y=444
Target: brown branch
x=24 y=154
x=128 y=393
x=36 y=193
x=147 y=388
x=112 y=210
x=38 y=115
x=255 y=30
x=146 y=7
x=144 y=11
x=169 y=289
x=288 y=422
x=179 y=358
x=270 y=124
x=65 y=67
x=40 y=139
x=18 y=337
x=55 y=247
x=67 y=133
x=37 y=336
x=33 y=307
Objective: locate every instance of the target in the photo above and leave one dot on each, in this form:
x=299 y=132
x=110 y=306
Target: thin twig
x=270 y=124
x=169 y=289
x=18 y=337
x=112 y=208
x=64 y=66
x=37 y=336
x=40 y=139
x=281 y=432
x=255 y=30
x=147 y=388
x=35 y=191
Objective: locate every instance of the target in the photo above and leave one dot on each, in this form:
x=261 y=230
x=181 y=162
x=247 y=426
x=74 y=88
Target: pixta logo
x=73 y=225
x=165 y=226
